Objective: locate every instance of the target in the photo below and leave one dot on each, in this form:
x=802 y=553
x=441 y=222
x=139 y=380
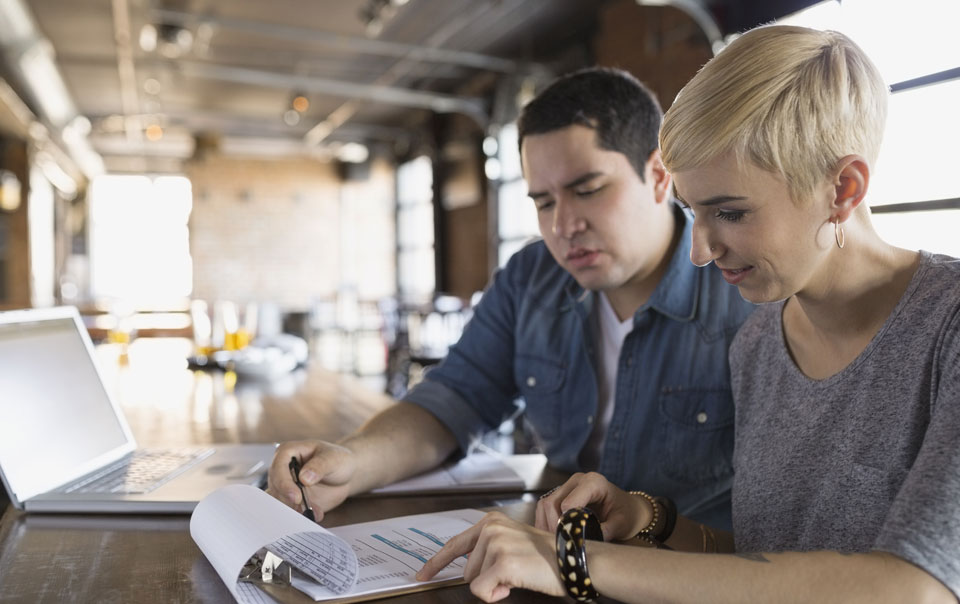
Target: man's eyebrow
x=576 y=182
x=581 y=179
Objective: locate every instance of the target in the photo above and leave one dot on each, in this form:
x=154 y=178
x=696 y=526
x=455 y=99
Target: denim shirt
x=532 y=336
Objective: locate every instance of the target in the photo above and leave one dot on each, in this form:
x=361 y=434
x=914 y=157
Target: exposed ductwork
x=30 y=57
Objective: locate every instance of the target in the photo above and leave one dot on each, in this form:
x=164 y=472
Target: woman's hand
x=621 y=514
x=503 y=554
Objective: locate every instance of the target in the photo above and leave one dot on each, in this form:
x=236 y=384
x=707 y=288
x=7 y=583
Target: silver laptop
x=65 y=446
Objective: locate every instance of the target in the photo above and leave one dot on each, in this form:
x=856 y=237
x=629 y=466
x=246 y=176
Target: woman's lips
x=733 y=276
x=582 y=258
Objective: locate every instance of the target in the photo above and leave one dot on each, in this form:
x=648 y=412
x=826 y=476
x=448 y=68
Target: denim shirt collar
x=676 y=295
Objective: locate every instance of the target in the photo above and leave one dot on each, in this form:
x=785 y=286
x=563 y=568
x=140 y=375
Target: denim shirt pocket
x=539 y=381
x=698 y=426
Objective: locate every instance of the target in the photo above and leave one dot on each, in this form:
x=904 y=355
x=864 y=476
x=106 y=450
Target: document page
x=346 y=563
x=475 y=472
x=390 y=552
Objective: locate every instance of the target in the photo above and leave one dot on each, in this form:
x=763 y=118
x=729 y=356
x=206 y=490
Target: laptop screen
x=58 y=421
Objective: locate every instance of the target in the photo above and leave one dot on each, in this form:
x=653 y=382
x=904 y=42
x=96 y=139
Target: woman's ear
x=850 y=186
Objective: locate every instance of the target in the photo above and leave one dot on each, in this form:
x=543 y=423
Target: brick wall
x=276 y=230
x=368 y=214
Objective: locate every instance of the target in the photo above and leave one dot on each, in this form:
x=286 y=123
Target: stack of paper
x=478 y=472
x=343 y=564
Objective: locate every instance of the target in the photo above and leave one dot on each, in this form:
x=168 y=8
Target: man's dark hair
x=624 y=113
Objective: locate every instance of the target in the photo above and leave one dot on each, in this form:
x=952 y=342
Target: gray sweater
x=867 y=459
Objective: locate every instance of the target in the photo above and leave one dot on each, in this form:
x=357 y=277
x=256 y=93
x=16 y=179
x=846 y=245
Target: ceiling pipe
x=339 y=116
x=403 y=97
x=129 y=97
x=31 y=59
x=701 y=15
x=349 y=43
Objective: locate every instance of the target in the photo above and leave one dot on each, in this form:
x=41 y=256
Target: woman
x=846 y=380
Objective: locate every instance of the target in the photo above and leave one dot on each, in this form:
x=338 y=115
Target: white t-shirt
x=609 y=342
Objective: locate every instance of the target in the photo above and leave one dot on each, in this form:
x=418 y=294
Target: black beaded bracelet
x=670 y=520
x=574 y=527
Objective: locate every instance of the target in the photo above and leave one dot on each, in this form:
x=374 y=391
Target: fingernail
x=308 y=476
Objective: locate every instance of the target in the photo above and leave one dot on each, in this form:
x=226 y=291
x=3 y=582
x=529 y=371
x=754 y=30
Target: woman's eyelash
x=730 y=215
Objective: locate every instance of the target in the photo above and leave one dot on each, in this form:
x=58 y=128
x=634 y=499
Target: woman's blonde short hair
x=792 y=100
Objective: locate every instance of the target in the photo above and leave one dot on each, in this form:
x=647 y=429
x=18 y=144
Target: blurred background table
x=101 y=558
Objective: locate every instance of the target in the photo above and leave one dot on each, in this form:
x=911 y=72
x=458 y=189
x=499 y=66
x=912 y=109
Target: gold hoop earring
x=838 y=233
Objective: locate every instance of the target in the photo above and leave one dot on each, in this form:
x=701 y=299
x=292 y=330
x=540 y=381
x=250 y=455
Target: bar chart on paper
x=389 y=553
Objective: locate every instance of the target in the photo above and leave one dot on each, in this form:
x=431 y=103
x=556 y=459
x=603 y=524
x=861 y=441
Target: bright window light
x=509 y=153
x=934 y=231
x=415 y=181
x=416 y=274
x=905 y=39
x=824 y=15
x=918 y=159
x=518 y=213
x=139 y=241
x=917 y=162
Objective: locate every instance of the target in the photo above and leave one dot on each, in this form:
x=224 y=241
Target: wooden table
x=101 y=558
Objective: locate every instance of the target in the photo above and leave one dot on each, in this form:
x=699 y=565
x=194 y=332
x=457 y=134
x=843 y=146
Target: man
x=617 y=343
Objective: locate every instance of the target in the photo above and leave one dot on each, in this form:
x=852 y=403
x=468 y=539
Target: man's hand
x=621 y=515
x=326 y=474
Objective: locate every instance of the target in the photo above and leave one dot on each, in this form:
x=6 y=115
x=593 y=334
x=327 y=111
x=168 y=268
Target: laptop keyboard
x=142 y=472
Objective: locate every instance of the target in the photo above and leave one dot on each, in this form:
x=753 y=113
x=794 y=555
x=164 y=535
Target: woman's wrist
x=646 y=511
x=657 y=519
x=574 y=528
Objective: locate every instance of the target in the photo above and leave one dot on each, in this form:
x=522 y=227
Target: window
x=139 y=241
x=516 y=213
x=42 y=245
x=914 y=194
x=416 y=268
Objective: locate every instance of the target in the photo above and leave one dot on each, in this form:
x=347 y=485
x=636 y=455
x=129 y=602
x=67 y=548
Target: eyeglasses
x=295 y=465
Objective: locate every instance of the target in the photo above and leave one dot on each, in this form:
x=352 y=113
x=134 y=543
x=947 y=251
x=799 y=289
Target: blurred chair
x=420 y=337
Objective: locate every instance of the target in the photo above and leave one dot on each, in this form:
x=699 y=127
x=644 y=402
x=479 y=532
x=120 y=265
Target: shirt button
x=531 y=381
x=701 y=418
x=589 y=419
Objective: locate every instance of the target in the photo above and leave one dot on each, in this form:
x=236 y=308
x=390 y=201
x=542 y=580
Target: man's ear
x=657 y=174
x=850 y=186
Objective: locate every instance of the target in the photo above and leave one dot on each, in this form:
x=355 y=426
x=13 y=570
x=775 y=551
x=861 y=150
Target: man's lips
x=734 y=276
x=581 y=257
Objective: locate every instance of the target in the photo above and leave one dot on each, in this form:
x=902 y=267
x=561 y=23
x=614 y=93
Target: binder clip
x=265 y=567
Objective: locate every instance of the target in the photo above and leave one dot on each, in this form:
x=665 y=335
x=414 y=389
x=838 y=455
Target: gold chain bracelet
x=646 y=533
